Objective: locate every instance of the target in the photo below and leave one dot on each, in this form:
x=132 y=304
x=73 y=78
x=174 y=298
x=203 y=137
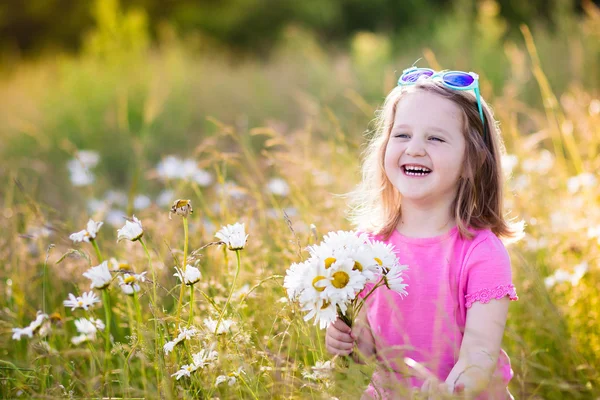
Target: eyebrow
x=430 y=128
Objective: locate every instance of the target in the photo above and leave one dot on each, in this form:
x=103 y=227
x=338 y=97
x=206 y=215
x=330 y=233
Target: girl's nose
x=415 y=148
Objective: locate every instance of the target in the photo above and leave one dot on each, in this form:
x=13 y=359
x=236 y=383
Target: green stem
x=138 y=311
x=157 y=338
x=191 y=305
x=107 y=316
x=185 y=250
x=100 y=259
x=237 y=271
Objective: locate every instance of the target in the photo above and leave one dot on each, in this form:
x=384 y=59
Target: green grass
x=301 y=116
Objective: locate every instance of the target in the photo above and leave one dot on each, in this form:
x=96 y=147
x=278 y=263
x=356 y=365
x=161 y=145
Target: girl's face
x=425 y=152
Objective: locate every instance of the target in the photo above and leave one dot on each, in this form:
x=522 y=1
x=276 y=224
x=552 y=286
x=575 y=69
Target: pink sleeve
x=488 y=274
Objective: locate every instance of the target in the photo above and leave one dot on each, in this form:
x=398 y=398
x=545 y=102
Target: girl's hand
x=433 y=388
x=339 y=340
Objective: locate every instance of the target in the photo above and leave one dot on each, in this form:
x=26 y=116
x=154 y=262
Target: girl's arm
x=480 y=347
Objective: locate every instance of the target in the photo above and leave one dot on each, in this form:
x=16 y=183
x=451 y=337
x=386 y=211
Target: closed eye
x=437 y=139
x=402 y=135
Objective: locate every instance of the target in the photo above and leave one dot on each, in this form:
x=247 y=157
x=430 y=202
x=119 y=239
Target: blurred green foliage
x=256 y=25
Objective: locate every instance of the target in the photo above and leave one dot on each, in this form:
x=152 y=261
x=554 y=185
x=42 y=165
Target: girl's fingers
x=337 y=344
x=341 y=336
x=341 y=326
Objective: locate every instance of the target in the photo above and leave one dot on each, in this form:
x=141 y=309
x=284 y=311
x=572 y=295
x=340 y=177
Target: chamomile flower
x=320 y=371
x=234 y=236
x=184 y=334
x=84 y=301
x=225 y=326
x=394 y=279
x=185 y=370
x=88 y=234
x=99 y=275
x=87 y=329
x=345 y=281
x=131 y=230
x=294 y=279
x=205 y=358
x=19 y=332
x=230 y=378
x=191 y=275
x=182 y=208
x=322 y=311
x=129 y=283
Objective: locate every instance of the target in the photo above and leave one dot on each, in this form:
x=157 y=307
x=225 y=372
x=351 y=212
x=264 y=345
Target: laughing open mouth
x=414 y=170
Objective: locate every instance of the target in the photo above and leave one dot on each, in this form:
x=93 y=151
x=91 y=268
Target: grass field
x=126 y=129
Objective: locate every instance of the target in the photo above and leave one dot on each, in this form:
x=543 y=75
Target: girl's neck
x=423 y=222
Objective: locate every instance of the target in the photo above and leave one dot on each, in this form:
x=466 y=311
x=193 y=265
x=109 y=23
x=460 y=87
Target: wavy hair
x=375 y=205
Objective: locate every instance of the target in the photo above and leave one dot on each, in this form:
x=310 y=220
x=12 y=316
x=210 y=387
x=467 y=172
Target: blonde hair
x=375 y=206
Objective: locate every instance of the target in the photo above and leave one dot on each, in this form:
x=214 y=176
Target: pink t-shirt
x=446 y=275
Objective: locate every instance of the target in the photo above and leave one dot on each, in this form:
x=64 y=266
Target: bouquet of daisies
x=338 y=269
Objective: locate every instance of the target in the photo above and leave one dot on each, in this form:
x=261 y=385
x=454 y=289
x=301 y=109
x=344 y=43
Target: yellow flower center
x=357 y=266
x=125 y=266
x=340 y=279
x=329 y=261
x=379 y=261
x=129 y=280
x=317 y=279
x=80 y=303
x=325 y=305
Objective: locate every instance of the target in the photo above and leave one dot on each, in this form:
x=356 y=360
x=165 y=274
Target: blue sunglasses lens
x=458 y=79
x=413 y=76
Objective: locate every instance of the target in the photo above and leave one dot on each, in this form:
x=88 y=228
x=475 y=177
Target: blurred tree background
x=28 y=27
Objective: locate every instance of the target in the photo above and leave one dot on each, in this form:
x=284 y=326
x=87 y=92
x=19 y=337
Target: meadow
x=128 y=127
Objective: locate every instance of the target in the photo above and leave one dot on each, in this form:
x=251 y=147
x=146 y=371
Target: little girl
x=432 y=187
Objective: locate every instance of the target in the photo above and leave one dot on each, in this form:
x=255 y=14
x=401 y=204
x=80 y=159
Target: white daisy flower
x=85 y=301
x=87 y=330
x=129 y=283
x=234 y=236
x=293 y=282
x=169 y=346
x=80 y=339
x=225 y=326
x=19 y=332
x=345 y=281
x=87 y=234
x=205 y=358
x=86 y=326
x=184 y=334
x=99 y=275
x=185 y=370
x=131 y=230
x=190 y=276
x=182 y=208
x=278 y=187
x=394 y=279
x=39 y=320
x=230 y=378
x=322 y=311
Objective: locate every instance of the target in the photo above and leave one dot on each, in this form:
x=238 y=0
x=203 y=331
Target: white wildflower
x=185 y=370
x=99 y=275
x=131 y=230
x=182 y=208
x=129 y=283
x=19 y=332
x=278 y=187
x=205 y=358
x=225 y=326
x=234 y=236
x=87 y=234
x=190 y=276
x=394 y=279
x=85 y=301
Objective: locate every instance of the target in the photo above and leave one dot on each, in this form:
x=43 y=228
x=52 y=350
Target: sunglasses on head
x=456 y=80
